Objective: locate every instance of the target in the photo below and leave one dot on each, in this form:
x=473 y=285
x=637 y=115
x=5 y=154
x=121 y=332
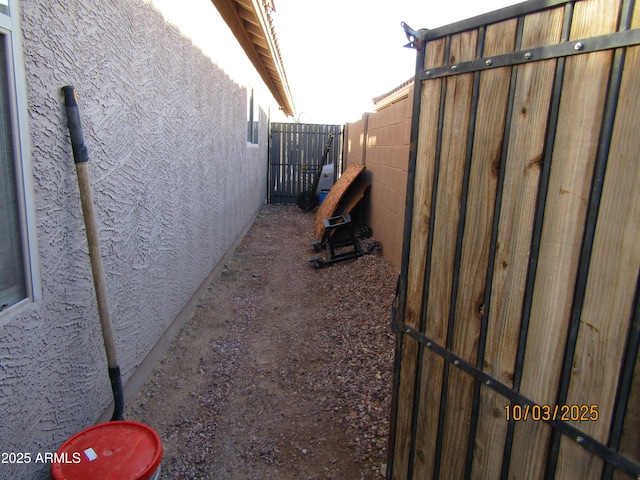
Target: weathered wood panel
x=334 y=203
x=483 y=189
x=522 y=265
x=611 y=284
x=574 y=152
x=523 y=165
x=453 y=140
x=630 y=438
x=424 y=168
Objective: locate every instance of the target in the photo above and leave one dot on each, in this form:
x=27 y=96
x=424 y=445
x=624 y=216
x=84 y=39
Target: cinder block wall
x=380 y=141
x=355 y=142
x=175 y=185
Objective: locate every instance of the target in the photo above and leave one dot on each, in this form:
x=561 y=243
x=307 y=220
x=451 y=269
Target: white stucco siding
x=174 y=181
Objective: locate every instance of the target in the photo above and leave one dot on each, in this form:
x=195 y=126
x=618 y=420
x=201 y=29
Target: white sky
x=339 y=54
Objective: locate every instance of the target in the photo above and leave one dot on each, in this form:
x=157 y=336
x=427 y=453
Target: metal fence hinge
x=412 y=35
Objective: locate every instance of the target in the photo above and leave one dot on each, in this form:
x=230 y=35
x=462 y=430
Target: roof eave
x=252 y=27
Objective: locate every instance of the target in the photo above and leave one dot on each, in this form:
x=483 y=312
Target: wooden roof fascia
x=248 y=16
x=245 y=3
x=276 y=58
x=254 y=31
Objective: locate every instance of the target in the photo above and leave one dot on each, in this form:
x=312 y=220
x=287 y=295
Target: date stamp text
x=545 y=413
x=17 y=458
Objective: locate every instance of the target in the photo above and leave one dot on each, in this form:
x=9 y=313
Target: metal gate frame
x=421 y=342
x=295 y=153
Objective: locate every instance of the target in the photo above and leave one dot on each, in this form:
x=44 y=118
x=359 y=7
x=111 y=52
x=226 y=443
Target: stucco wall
x=380 y=141
x=175 y=184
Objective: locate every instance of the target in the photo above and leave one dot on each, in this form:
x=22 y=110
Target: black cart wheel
x=307 y=201
x=316 y=262
x=375 y=247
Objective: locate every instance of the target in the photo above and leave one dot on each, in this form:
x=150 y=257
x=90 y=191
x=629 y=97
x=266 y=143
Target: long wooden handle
x=81 y=158
x=97 y=268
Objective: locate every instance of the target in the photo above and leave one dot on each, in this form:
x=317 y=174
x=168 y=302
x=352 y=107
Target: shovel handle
x=80 y=152
x=81 y=158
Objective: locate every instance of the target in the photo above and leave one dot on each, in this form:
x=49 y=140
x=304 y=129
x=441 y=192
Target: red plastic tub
x=120 y=450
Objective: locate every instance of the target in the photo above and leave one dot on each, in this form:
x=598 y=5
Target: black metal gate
x=295 y=153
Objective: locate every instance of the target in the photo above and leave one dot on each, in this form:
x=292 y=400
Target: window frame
x=253 y=117
x=17 y=92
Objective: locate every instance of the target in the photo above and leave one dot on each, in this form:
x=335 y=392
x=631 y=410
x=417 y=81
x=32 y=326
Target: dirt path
x=284 y=371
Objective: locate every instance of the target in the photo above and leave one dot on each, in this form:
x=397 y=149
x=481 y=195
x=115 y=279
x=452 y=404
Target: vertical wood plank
x=575 y=148
x=485 y=164
x=526 y=143
x=521 y=176
x=455 y=133
x=454 y=146
x=404 y=418
x=630 y=442
x=488 y=138
x=569 y=184
x=424 y=176
x=615 y=262
x=424 y=171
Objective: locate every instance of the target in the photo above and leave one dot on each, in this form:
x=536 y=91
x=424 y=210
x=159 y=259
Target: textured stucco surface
x=174 y=183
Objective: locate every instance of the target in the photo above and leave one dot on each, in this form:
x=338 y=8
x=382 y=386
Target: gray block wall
x=175 y=184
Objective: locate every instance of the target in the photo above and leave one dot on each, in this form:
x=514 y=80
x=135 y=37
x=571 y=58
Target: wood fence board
x=453 y=139
x=491 y=433
x=575 y=148
x=630 y=442
x=593 y=18
x=425 y=164
x=424 y=173
x=576 y=143
x=526 y=190
x=404 y=418
x=521 y=172
x=452 y=162
x=521 y=177
x=428 y=409
x=483 y=182
x=613 y=273
x=454 y=136
x=535 y=35
x=567 y=199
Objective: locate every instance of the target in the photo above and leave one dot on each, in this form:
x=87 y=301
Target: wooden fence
x=518 y=318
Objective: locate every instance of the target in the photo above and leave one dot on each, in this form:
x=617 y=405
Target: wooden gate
x=295 y=152
x=517 y=313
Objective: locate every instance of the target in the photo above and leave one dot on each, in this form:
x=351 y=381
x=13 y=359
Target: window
x=253 y=117
x=15 y=265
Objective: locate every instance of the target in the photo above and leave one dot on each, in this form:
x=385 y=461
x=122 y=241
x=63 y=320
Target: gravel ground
x=283 y=371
